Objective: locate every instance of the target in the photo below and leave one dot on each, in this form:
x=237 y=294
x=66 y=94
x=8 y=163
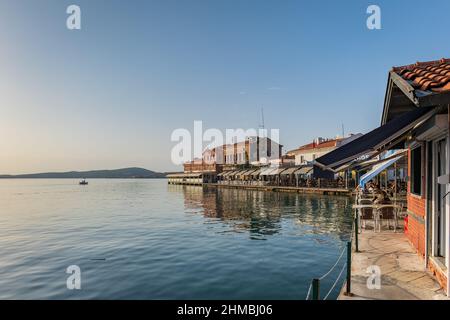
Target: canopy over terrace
x=289 y=171
x=228 y=174
x=381 y=166
x=250 y=172
x=277 y=171
x=267 y=174
x=291 y=175
x=185 y=178
x=267 y=171
x=240 y=173
x=255 y=173
x=385 y=137
x=303 y=171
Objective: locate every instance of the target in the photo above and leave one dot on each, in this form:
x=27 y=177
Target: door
x=441 y=169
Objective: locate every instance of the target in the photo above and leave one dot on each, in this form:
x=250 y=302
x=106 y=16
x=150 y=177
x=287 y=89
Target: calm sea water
x=144 y=239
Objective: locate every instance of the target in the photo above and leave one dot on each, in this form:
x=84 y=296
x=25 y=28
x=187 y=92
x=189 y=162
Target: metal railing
x=314 y=287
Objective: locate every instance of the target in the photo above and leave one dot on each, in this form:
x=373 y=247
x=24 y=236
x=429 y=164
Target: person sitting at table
x=381 y=197
x=369 y=186
x=390 y=189
x=385 y=213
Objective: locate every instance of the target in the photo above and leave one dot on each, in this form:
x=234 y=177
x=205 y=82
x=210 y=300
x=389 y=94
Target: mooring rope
x=309 y=292
x=334 y=266
x=335 y=282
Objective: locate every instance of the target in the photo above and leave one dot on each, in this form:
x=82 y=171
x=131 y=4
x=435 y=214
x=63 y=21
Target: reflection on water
x=261 y=213
x=143 y=239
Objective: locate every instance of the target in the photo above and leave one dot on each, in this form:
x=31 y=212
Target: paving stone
x=403 y=272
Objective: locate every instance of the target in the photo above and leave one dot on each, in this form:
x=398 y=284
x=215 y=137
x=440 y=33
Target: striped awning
x=255 y=173
x=239 y=173
x=250 y=172
x=393 y=156
x=228 y=173
x=303 y=170
x=290 y=170
x=267 y=171
x=276 y=171
x=242 y=173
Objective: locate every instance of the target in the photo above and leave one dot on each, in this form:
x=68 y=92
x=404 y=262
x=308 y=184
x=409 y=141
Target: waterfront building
x=237 y=158
x=416 y=117
x=254 y=151
x=307 y=153
x=426 y=85
x=255 y=162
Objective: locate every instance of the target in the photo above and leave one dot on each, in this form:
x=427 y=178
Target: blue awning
x=378 y=168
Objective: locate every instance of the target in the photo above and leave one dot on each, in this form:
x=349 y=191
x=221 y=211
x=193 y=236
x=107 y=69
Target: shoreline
x=73 y=178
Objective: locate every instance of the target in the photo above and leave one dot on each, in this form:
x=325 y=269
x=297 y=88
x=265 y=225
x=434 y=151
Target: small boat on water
x=84 y=182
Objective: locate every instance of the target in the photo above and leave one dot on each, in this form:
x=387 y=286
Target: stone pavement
x=403 y=272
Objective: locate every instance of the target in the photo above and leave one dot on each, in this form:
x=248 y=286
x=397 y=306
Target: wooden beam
x=399 y=93
x=387 y=100
x=405 y=87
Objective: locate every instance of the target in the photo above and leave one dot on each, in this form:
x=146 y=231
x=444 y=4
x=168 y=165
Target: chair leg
x=396 y=220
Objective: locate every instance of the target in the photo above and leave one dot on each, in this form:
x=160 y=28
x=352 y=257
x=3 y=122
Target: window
x=416 y=171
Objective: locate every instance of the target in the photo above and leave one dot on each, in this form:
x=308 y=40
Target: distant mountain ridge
x=124 y=173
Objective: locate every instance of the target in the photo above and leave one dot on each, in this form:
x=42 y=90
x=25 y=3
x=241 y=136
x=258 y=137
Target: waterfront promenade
x=327 y=191
x=403 y=272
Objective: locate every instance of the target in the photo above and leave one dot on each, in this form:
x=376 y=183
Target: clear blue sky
x=110 y=95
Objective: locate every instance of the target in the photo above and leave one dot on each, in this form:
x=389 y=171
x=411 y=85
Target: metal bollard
x=315 y=289
x=356 y=222
x=349 y=269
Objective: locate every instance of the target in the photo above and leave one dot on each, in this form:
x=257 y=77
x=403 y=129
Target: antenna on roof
x=343 y=131
x=261 y=126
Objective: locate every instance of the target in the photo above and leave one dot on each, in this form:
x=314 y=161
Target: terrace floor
x=403 y=272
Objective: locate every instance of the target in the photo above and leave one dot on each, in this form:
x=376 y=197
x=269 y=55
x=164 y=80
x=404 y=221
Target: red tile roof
x=427 y=76
x=324 y=144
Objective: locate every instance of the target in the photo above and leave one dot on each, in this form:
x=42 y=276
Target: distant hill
x=125 y=173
